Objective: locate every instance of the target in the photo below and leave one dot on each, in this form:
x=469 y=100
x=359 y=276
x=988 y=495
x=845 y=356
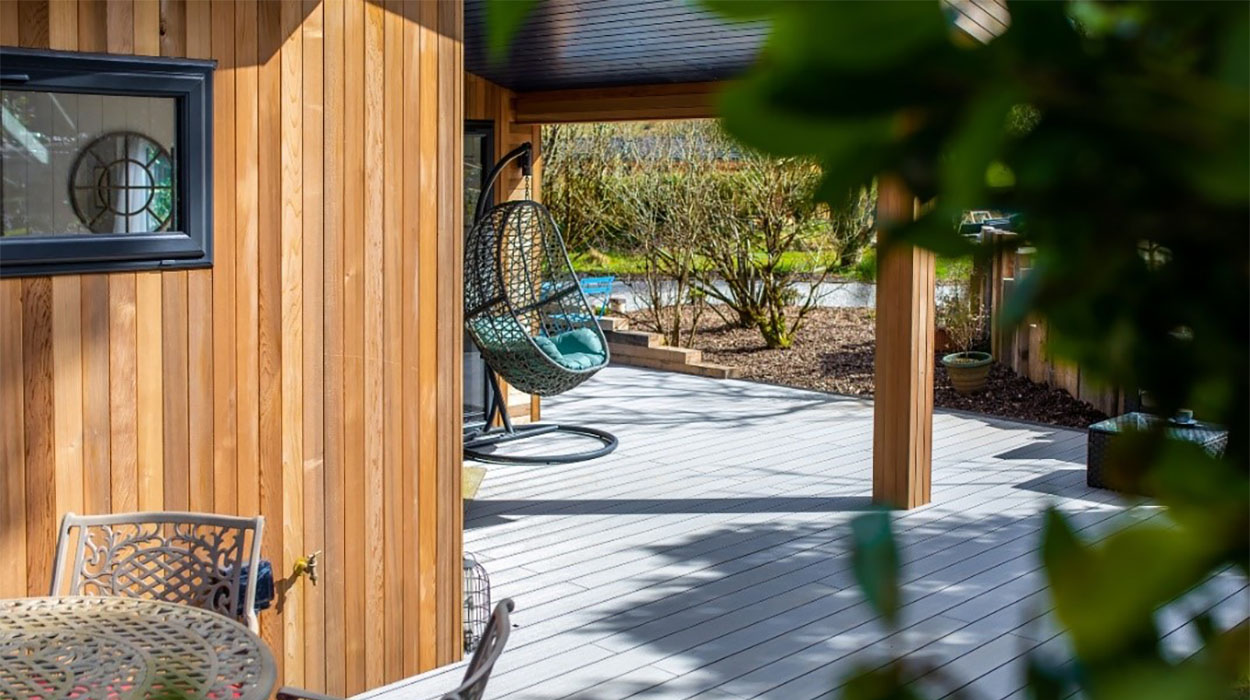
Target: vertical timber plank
x=447 y=132
x=247 y=276
x=147 y=27
x=13 y=446
x=124 y=443
x=535 y=137
x=176 y=439
x=63 y=25
x=335 y=514
x=314 y=630
x=68 y=389
x=37 y=412
x=427 y=299
x=148 y=319
x=375 y=612
x=173 y=27
x=149 y=392
x=356 y=627
x=225 y=386
x=10 y=20
x=269 y=294
x=33 y=25
x=392 y=338
x=200 y=303
x=450 y=126
x=411 y=436
x=291 y=264
x=97 y=437
x=119 y=22
x=92 y=21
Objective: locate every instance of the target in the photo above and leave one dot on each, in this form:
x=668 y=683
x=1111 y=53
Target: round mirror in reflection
x=123 y=182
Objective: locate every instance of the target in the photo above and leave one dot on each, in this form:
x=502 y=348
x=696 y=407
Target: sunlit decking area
x=709 y=555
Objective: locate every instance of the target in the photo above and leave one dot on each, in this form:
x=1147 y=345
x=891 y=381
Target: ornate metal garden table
x=105 y=647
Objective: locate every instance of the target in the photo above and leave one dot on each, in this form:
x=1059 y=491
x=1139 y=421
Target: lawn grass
x=947 y=269
x=597 y=263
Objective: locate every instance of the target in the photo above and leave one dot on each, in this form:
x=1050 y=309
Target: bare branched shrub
x=666 y=214
x=961 y=314
x=767 y=232
x=581 y=168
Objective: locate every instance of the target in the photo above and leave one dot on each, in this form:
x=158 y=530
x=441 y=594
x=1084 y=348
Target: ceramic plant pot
x=968 y=370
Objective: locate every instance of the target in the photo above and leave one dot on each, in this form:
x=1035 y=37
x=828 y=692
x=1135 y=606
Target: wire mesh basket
x=476 y=602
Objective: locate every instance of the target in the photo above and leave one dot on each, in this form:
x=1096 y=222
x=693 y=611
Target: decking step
x=634 y=338
x=658 y=353
x=643 y=349
x=701 y=369
x=613 y=323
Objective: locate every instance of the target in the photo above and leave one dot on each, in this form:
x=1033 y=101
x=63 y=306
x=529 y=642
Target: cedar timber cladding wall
x=313 y=374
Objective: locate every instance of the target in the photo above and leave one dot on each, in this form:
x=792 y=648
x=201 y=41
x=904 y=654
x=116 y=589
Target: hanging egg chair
x=525 y=311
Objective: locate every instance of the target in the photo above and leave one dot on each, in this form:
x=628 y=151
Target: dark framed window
x=479 y=156
x=105 y=162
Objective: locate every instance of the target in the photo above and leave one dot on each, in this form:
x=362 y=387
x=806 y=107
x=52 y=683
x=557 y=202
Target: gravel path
x=834 y=352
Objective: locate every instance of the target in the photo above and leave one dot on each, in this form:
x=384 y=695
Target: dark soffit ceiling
x=605 y=43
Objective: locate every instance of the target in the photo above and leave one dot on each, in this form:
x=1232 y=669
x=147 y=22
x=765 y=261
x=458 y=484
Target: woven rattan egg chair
x=525 y=311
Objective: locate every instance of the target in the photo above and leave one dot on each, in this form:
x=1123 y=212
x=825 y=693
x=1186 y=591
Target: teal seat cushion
x=582 y=340
x=544 y=343
x=580 y=360
x=577 y=350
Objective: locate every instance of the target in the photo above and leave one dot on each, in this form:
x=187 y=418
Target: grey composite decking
x=708 y=556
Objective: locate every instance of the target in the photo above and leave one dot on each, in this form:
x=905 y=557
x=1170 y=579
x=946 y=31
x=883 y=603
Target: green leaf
x=1047 y=680
x=975 y=146
x=1106 y=593
x=885 y=683
x=875 y=562
x=1159 y=680
x=504 y=18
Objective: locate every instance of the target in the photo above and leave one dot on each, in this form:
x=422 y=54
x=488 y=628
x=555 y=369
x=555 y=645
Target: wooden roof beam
x=629 y=103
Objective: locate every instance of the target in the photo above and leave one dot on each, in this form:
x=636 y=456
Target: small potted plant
x=960 y=314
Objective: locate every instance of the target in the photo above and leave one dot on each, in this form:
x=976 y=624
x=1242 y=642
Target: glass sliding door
x=479 y=156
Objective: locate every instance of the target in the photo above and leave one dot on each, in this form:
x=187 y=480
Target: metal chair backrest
x=599 y=289
x=494 y=639
x=195 y=559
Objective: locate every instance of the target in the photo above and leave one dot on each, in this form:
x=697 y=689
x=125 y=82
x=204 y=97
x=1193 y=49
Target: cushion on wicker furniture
x=577 y=349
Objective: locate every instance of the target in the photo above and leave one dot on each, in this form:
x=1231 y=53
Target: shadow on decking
x=1046 y=484
x=1053 y=445
x=484 y=513
x=777 y=601
x=736 y=403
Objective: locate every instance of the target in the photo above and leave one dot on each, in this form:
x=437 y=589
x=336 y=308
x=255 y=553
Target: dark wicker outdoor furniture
x=1104 y=433
x=527 y=313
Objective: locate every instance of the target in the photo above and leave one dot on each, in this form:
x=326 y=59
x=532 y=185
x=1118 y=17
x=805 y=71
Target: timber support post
x=902 y=442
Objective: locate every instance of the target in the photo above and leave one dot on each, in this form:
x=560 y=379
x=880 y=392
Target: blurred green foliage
x=1122 y=132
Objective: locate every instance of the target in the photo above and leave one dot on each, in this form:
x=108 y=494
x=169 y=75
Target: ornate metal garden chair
x=196 y=559
x=476 y=674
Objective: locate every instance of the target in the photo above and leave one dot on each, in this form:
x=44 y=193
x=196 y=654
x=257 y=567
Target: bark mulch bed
x=834 y=352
